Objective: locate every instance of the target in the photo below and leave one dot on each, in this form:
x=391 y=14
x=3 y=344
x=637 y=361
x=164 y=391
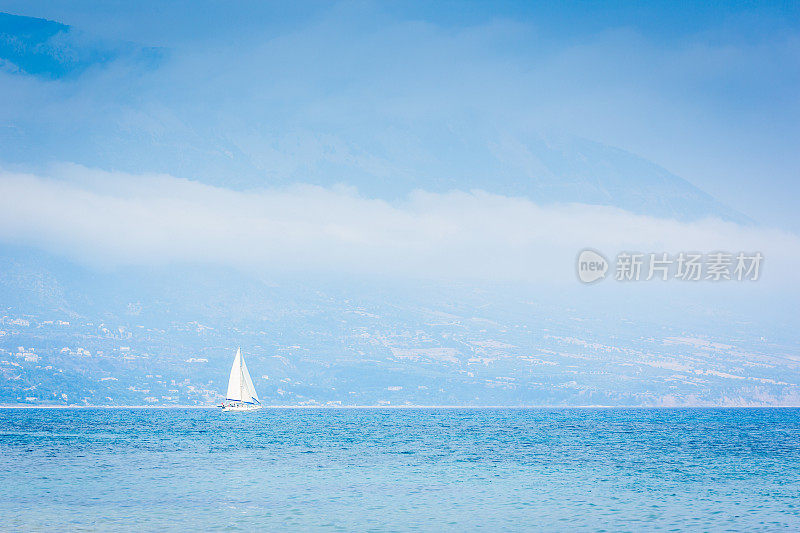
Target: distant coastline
x=470 y=407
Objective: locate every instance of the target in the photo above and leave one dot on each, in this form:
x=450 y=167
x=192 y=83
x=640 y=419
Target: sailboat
x=241 y=394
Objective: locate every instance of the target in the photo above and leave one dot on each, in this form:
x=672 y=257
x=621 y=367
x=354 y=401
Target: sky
x=399 y=133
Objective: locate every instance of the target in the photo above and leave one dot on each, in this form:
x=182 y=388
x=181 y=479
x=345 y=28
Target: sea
x=410 y=469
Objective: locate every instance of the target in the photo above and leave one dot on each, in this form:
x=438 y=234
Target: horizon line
x=475 y=407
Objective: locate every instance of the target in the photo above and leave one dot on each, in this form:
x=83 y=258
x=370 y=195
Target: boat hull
x=240 y=408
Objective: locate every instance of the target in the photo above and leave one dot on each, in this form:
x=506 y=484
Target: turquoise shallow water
x=402 y=469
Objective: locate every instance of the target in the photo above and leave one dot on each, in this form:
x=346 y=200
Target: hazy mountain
x=71 y=334
x=383 y=155
x=166 y=336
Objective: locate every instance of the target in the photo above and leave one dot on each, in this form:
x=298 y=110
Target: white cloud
x=99 y=217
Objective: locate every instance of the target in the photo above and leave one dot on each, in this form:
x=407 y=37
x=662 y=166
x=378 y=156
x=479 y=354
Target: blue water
x=416 y=469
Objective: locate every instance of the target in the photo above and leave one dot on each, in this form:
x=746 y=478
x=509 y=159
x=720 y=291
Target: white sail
x=240 y=385
x=235 y=381
x=249 y=393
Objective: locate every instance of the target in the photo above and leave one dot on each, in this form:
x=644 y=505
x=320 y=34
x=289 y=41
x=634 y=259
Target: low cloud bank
x=109 y=218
